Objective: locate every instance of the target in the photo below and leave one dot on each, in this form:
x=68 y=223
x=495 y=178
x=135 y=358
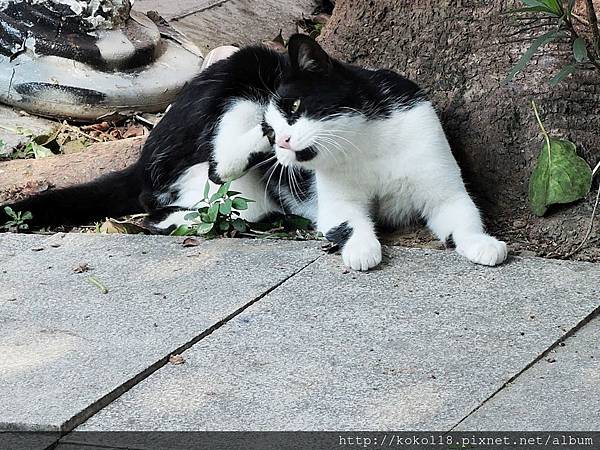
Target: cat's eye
x=271 y=134
x=295 y=106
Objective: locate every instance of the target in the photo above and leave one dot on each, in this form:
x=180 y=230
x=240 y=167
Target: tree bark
x=461 y=52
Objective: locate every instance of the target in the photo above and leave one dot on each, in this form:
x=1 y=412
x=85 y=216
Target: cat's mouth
x=288 y=157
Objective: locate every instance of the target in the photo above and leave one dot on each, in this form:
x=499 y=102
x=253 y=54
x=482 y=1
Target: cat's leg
x=459 y=218
x=239 y=135
x=343 y=217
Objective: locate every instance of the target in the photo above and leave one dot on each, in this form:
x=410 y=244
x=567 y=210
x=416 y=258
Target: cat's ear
x=306 y=55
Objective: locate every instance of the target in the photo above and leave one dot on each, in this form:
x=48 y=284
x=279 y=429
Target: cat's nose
x=284 y=141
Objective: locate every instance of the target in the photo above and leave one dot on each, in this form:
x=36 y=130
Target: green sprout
x=17 y=221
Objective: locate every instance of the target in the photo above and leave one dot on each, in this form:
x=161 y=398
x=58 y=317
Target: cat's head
x=315 y=107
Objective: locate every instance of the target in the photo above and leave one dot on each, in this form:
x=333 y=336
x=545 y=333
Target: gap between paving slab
x=532 y=367
x=58 y=349
x=415 y=345
x=569 y=371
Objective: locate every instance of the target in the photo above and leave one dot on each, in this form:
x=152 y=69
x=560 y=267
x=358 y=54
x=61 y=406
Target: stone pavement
x=277 y=336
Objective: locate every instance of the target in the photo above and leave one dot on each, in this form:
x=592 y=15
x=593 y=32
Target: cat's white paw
x=232 y=170
x=361 y=253
x=483 y=249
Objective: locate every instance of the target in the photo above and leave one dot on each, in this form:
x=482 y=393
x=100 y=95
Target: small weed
x=18 y=219
x=217 y=215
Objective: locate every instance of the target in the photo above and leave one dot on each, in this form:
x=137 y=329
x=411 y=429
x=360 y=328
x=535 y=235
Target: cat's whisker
x=336 y=136
x=324 y=147
x=266 y=161
x=331 y=141
x=272 y=170
x=279 y=187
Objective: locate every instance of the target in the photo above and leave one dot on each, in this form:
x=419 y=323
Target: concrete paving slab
x=416 y=345
x=12 y=244
x=68 y=348
x=560 y=392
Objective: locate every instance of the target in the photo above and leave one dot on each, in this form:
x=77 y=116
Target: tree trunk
x=461 y=52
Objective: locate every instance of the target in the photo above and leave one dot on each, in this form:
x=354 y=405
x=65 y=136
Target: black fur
x=340 y=234
x=180 y=140
x=331 y=87
x=183 y=138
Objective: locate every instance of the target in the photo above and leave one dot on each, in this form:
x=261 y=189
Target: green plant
x=216 y=215
x=582 y=34
x=18 y=219
x=560 y=176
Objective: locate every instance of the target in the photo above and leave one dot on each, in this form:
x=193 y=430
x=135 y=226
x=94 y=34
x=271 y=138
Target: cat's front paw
x=361 y=253
x=230 y=171
x=483 y=249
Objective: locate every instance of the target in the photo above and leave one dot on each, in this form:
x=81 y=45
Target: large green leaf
x=560 y=176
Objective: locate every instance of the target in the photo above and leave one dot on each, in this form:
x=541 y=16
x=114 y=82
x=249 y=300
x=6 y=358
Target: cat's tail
x=112 y=195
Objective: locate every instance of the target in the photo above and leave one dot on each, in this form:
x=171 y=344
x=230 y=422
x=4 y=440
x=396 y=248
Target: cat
x=303 y=133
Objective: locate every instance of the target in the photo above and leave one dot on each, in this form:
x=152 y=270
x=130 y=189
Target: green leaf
x=297 y=222
x=240 y=203
x=182 y=230
x=537 y=43
x=191 y=216
x=26 y=216
x=530 y=9
x=39 y=151
x=213 y=212
x=220 y=192
x=224 y=226
x=553 y=5
x=205 y=228
x=9 y=211
x=240 y=225
x=579 y=50
x=206 y=190
x=564 y=73
x=560 y=176
x=225 y=207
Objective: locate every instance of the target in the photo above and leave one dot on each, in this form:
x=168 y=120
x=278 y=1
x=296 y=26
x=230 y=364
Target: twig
x=96 y=282
x=580 y=19
x=590 y=228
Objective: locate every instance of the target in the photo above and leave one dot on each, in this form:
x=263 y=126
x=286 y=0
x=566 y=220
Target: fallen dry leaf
x=190 y=242
x=176 y=359
x=83 y=267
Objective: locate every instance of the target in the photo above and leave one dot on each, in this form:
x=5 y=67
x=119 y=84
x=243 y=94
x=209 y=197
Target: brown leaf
x=176 y=359
x=134 y=131
x=190 y=242
x=83 y=267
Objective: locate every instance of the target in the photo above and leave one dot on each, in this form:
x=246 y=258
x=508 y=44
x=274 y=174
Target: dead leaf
x=134 y=131
x=176 y=359
x=190 y=242
x=83 y=267
x=112 y=227
x=74 y=146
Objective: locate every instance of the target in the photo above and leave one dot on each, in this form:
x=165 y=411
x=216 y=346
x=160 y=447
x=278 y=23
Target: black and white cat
x=352 y=148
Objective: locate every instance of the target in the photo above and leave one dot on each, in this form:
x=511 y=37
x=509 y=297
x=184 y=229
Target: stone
x=12 y=244
x=417 y=344
x=18 y=128
x=68 y=348
x=559 y=392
